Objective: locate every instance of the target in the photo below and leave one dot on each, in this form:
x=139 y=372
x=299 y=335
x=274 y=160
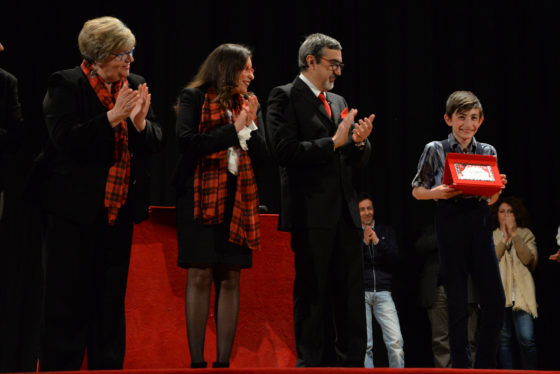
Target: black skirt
x=208 y=244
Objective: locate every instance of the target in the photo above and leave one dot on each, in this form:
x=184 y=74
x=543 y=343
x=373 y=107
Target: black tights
x=199 y=286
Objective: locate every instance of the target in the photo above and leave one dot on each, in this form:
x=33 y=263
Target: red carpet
x=155 y=301
x=313 y=371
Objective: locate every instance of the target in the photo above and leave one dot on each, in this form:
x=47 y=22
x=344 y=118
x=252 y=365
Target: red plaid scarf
x=116 y=188
x=210 y=182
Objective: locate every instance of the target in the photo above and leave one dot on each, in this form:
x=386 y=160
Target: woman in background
x=217 y=201
x=517 y=255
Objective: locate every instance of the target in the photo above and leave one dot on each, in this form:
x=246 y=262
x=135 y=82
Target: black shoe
x=220 y=364
x=199 y=365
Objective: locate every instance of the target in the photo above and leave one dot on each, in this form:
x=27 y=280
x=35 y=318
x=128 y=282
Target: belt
x=465 y=200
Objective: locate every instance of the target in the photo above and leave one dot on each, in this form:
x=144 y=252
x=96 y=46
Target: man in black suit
x=11 y=125
x=20 y=278
x=317 y=145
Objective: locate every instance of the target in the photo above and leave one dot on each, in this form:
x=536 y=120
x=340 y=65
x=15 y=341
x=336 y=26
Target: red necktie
x=327 y=106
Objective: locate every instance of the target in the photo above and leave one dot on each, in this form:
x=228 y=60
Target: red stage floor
x=156 y=333
x=314 y=371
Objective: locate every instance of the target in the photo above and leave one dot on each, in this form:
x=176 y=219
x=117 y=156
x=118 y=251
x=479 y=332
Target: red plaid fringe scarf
x=116 y=188
x=210 y=183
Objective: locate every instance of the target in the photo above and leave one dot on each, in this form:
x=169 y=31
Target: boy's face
x=464 y=124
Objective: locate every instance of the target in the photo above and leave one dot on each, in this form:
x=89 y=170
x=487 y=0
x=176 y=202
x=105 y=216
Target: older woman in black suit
x=101 y=131
x=217 y=201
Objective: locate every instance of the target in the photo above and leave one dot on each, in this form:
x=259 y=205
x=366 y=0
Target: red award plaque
x=476 y=175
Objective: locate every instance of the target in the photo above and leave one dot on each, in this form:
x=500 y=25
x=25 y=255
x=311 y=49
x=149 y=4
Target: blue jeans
x=518 y=326
x=380 y=304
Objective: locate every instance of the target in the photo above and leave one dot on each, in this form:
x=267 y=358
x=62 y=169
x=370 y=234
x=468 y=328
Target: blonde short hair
x=101 y=36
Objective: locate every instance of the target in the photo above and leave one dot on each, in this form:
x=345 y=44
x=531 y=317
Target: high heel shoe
x=199 y=365
x=220 y=364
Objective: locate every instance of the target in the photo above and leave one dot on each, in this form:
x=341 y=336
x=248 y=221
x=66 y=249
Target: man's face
x=464 y=124
x=324 y=70
x=366 y=212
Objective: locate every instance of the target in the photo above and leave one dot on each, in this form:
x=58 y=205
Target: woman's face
x=116 y=66
x=244 y=79
x=505 y=212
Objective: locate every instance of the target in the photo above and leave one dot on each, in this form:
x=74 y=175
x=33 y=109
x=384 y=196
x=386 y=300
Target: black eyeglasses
x=334 y=64
x=124 y=55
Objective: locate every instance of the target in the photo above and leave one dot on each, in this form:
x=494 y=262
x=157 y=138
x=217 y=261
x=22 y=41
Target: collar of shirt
x=315 y=90
x=373 y=226
x=456 y=147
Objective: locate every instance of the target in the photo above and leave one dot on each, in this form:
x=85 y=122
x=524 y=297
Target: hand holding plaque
x=476 y=175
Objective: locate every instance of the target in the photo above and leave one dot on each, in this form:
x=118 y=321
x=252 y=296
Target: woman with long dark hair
x=217 y=200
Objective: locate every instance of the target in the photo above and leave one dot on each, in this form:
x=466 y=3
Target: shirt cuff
x=245 y=134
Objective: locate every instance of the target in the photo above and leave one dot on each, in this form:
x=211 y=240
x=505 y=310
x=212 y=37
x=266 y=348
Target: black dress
x=199 y=243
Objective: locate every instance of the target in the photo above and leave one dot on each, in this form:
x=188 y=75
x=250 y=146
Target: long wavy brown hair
x=221 y=70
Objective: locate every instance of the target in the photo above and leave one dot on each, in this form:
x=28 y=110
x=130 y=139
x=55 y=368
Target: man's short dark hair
x=364 y=196
x=313 y=45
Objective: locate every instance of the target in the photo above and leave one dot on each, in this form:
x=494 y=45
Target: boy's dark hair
x=364 y=196
x=461 y=101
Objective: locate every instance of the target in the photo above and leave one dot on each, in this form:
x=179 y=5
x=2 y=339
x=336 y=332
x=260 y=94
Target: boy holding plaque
x=464 y=234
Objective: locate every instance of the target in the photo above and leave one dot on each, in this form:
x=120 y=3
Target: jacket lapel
x=335 y=109
x=315 y=102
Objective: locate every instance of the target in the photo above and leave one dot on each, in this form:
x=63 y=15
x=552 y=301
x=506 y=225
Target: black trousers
x=86 y=275
x=329 y=312
x=20 y=285
x=464 y=232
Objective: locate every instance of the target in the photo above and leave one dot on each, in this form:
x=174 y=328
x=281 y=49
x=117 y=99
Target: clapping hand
x=555 y=257
x=362 y=129
x=341 y=134
x=508 y=227
x=124 y=105
x=247 y=114
x=140 y=107
x=370 y=236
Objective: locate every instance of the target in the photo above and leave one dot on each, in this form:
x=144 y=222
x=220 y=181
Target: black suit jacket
x=74 y=166
x=316 y=180
x=194 y=145
x=11 y=124
x=380 y=258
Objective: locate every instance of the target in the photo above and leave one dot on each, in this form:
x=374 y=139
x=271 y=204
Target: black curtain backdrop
x=402 y=61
